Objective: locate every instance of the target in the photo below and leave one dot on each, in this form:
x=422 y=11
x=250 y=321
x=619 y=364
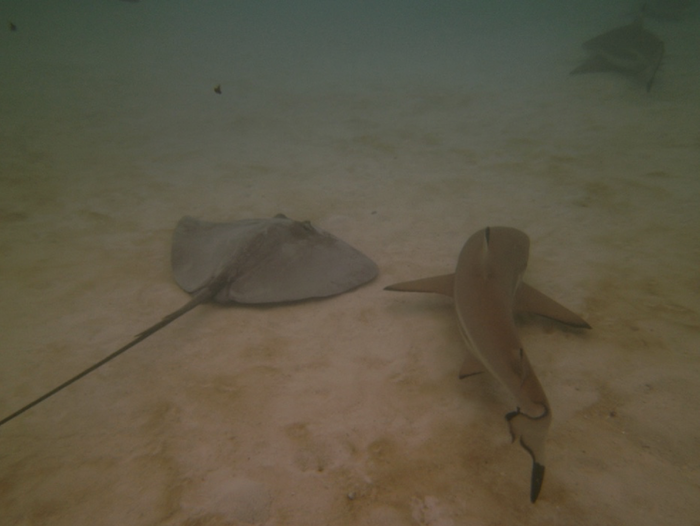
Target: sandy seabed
x=402 y=131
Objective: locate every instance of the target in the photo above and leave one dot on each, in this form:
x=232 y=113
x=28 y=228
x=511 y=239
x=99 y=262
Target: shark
x=629 y=49
x=488 y=290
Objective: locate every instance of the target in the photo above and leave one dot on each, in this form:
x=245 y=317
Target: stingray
x=628 y=49
x=252 y=261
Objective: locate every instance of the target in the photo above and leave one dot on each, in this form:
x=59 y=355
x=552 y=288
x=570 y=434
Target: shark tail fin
x=438 y=284
x=529 y=299
x=531 y=433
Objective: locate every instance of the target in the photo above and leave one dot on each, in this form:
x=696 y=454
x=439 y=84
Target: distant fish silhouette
x=12 y=26
x=629 y=49
x=217 y=89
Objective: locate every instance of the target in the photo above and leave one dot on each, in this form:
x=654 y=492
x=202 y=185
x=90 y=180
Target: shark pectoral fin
x=531 y=432
x=593 y=64
x=438 y=284
x=471 y=366
x=529 y=299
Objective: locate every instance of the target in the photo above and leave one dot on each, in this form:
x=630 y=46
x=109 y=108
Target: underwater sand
x=401 y=128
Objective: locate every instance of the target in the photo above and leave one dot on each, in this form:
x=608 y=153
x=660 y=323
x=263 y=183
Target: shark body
x=629 y=49
x=487 y=289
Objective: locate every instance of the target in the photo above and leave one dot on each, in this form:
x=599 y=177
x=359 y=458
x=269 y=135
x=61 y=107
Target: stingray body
x=264 y=261
x=252 y=261
x=487 y=289
x=628 y=49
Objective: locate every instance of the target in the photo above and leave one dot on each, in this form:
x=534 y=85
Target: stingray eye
x=308 y=226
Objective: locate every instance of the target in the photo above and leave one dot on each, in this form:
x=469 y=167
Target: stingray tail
x=531 y=433
x=202 y=296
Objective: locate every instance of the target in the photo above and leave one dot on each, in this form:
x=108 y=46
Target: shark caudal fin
x=531 y=433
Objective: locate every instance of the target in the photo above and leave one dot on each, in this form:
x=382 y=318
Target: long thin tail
x=201 y=297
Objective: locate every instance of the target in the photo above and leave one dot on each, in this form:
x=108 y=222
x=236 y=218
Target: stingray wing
x=201 y=249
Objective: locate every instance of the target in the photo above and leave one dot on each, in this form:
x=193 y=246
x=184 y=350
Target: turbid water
x=402 y=128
